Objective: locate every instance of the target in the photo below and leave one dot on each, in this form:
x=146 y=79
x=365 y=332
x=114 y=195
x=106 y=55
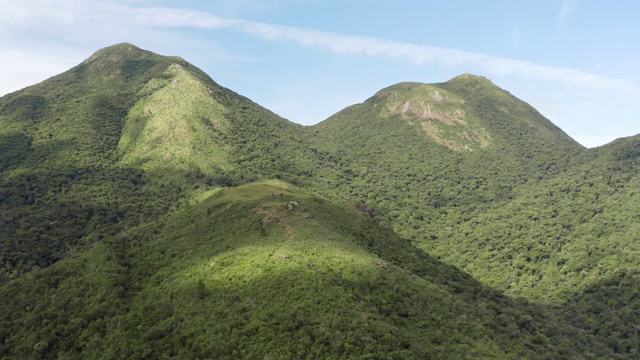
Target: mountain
x=508 y=197
x=430 y=156
x=149 y=212
x=61 y=180
x=263 y=271
x=123 y=137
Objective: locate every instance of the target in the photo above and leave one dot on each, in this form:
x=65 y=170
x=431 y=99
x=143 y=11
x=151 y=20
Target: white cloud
x=371 y=46
x=121 y=18
x=82 y=26
x=566 y=9
x=167 y=17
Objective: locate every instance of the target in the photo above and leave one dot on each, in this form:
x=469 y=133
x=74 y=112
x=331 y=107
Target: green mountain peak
x=118 y=60
x=470 y=77
x=174 y=121
x=117 y=49
x=473 y=81
x=508 y=119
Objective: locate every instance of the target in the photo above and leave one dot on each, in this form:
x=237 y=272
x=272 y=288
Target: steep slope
x=571 y=242
x=264 y=272
x=512 y=124
x=431 y=154
x=563 y=230
x=492 y=187
x=120 y=139
x=59 y=179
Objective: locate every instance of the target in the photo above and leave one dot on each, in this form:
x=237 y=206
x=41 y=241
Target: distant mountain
x=481 y=180
x=148 y=212
x=425 y=155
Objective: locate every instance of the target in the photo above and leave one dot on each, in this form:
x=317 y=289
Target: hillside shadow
x=606 y=315
x=16 y=148
x=52 y=206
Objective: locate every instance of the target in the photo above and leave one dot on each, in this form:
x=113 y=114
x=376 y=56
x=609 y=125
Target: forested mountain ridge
x=425 y=155
x=133 y=162
x=263 y=271
x=531 y=213
x=60 y=181
x=121 y=138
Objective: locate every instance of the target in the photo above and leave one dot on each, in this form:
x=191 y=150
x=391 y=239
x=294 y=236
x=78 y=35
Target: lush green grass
x=175 y=122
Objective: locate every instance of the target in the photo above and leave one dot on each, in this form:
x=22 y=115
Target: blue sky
x=576 y=61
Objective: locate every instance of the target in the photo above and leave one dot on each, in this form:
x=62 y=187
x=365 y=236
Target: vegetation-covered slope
x=570 y=242
x=120 y=139
x=112 y=245
x=427 y=154
x=528 y=211
x=60 y=180
x=263 y=272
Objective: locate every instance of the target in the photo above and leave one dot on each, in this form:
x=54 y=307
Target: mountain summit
x=466 y=113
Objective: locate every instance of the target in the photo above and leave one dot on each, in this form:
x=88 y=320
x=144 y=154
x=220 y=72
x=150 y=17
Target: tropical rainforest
x=147 y=212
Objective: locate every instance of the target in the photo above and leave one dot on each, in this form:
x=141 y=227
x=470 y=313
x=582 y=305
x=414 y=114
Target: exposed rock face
x=427 y=111
x=441 y=115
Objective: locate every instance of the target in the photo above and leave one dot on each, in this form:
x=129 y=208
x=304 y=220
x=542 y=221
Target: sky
x=576 y=61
